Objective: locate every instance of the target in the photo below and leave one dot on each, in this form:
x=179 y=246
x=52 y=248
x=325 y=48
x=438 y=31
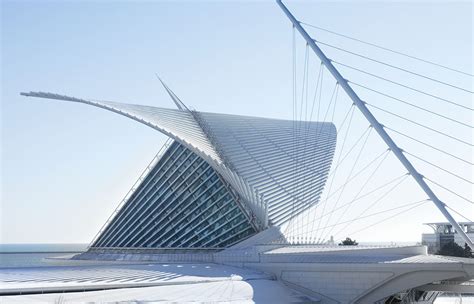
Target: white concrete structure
x=266 y=171
x=210 y=207
x=258 y=273
x=169 y=221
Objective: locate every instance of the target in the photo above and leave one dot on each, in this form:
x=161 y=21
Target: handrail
x=130 y=192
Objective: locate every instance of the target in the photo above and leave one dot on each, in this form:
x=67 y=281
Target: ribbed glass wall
x=182 y=203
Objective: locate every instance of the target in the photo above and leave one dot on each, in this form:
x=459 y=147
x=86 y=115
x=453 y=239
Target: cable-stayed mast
x=361 y=105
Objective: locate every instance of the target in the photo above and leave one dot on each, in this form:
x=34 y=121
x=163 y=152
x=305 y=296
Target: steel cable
x=394 y=67
x=419 y=203
x=403 y=85
x=428 y=145
x=449 y=190
x=388 y=49
x=419 y=124
x=438 y=167
x=360 y=197
x=411 y=104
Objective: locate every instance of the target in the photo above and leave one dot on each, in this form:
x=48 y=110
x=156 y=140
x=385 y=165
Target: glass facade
x=182 y=203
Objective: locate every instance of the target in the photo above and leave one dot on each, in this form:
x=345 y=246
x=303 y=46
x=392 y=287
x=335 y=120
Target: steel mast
x=376 y=125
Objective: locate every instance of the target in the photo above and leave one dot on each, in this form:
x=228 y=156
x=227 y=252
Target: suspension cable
x=333 y=98
x=411 y=104
x=393 y=66
x=362 y=188
x=417 y=204
x=430 y=146
x=440 y=168
x=388 y=49
x=402 y=85
x=342 y=150
x=377 y=213
x=308 y=125
x=323 y=215
x=376 y=201
x=341 y=160
x=419 y=124
x=321 y=69
x=458 y=213
x=351 y=171
x=449 y=190
x=331 y=194
x=304 y=101
x=294 y=96
x=298 y=126
x=350 y=111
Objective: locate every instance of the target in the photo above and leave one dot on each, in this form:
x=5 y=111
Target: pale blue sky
x=66 y=166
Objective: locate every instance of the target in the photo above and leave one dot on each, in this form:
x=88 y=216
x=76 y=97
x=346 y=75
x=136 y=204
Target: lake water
x=12 y=248
x=40 y=255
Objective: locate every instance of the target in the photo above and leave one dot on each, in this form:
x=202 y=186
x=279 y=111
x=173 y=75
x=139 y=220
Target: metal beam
x=173 y=96
x=376 y=125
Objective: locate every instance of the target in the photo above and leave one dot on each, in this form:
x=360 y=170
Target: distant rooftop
x=447 y=223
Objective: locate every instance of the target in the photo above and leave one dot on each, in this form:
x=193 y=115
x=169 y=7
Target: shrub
x=453 y=249
x=348 y=242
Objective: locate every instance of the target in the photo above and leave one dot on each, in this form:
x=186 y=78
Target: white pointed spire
x=173 y=96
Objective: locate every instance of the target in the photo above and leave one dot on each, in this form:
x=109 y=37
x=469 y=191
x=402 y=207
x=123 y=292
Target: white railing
x=145 y=172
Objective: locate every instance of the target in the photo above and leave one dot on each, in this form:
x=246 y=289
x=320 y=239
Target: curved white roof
x=286 y=161
x=276 y=164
